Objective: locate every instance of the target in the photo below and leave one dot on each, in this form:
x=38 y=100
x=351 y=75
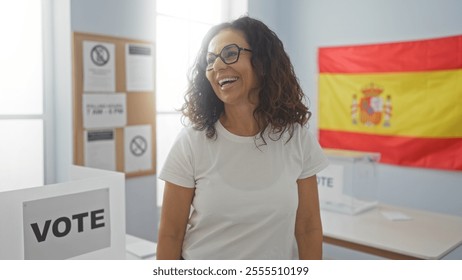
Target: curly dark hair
x=280 y=104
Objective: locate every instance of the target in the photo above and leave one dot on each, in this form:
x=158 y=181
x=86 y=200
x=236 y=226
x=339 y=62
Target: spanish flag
x=403 y=100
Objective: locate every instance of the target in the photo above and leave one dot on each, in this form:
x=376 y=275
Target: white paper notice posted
x=138 y=148
x=98 y=66
x=139 y=67
x=104 y=110
x=99 y=146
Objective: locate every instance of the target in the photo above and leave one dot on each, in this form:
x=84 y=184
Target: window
x=181 y=25
x=21 y=95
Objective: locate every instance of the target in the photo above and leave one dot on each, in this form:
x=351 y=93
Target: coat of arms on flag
x=402 y=100
x=373 y=109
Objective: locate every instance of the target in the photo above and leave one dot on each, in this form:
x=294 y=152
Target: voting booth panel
x=349 y=184
x=83 y=218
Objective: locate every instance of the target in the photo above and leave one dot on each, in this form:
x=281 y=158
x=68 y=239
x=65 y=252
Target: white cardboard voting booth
x=83 y=218
x=349 y=184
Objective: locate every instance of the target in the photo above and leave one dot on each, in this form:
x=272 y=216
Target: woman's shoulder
x=306 y=133
x=293 y=134
x=190 y=134
x=298 y=131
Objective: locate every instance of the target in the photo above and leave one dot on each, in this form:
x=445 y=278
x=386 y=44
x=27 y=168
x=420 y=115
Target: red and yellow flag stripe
x=403 y=100
x=415 y=56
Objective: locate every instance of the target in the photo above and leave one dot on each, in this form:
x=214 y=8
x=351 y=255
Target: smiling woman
x=233 y=79
x=246 y=162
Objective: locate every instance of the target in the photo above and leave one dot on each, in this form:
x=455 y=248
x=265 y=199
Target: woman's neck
x=240 y=122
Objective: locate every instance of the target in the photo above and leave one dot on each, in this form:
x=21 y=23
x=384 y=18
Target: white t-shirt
x=246 y=196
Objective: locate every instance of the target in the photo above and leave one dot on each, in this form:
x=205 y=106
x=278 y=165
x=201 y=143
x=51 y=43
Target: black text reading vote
x=326 y=181
x=96 y=221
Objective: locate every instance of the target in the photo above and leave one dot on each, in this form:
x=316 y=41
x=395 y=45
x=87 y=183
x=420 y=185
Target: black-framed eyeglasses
x=229 y=55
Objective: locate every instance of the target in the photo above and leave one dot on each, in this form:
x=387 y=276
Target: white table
x=139 y=249
x=427 y=235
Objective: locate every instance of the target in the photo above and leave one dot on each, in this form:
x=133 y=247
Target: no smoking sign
x=99 y=55
x=138 y=146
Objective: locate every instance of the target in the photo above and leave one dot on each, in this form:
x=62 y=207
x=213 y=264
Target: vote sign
x=66 y=226
x=330 y=183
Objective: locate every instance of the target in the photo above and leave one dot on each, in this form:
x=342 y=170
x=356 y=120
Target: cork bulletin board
x=114 y=119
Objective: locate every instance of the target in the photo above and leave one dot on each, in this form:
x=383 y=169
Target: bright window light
x=181 y=25
x=21 y=54
x=21 y=95
x=208 y=11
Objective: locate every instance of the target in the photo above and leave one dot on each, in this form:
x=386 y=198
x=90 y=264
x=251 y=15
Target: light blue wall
x=134 y=19
x=305 y=25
